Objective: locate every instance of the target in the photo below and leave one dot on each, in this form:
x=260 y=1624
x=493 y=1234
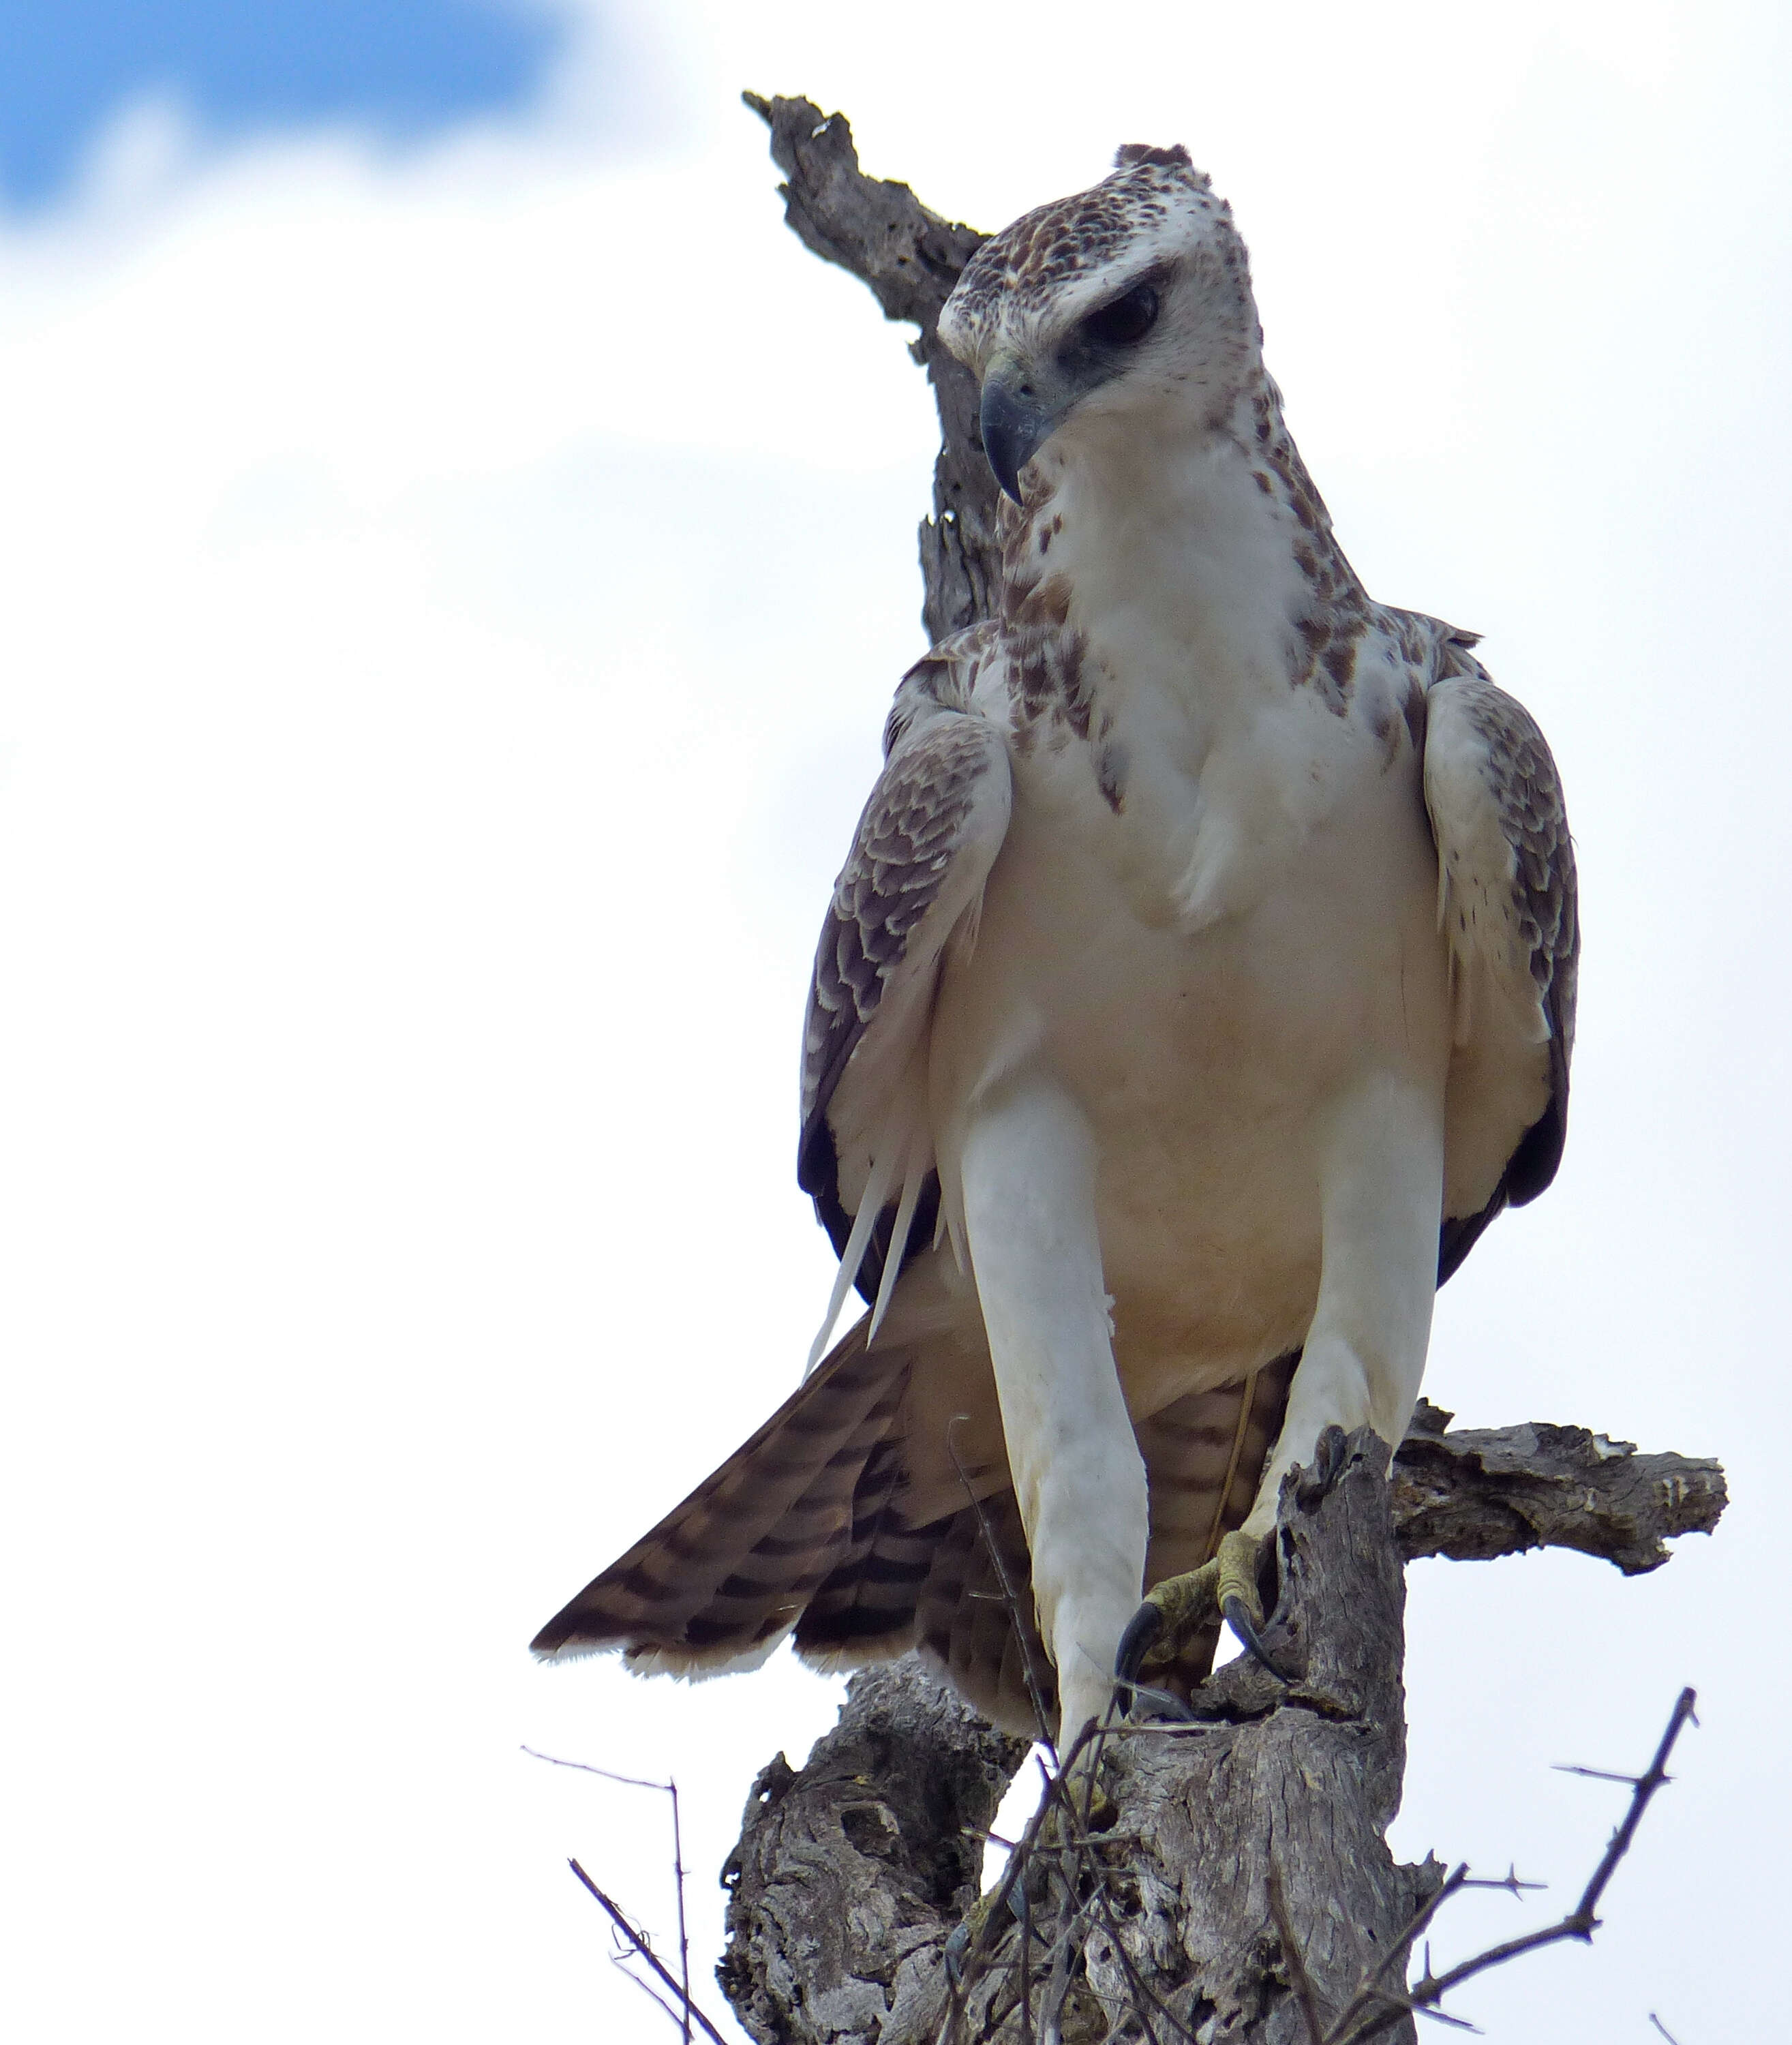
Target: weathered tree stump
x=851 y=1876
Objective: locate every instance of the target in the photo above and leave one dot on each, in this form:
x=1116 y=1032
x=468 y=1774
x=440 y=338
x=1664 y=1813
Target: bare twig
x=638 y=1940
x=1010 y=1597
x=1058 y=1985
x=1581 y=1923
x=1664 y=2029
x=669 y=1788
x=1511 y=1881
x=1026 y=1964
x=1370 y=1990
x=620 y=1962
x=587 y=1768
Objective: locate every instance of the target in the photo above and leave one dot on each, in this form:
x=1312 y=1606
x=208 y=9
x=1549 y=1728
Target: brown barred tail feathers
x=725 y=1575
x=805 y=1531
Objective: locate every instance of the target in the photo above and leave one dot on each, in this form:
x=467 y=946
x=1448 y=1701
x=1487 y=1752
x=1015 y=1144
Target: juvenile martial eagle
x=1199 y=984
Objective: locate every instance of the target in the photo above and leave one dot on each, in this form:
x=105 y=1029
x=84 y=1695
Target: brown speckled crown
x=1029 y=261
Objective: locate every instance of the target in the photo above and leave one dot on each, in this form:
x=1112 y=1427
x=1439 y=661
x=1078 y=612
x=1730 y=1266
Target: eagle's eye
x=1124 y=320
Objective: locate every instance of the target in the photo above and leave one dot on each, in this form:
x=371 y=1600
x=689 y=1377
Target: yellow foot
x=1179 y=1611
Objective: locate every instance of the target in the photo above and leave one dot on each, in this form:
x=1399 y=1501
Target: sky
x=458 y=549
x=402 y=69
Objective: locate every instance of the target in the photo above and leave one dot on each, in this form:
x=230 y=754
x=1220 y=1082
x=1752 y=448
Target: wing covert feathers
x=1507 y=899
x=910 y=888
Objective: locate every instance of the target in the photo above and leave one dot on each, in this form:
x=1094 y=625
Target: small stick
x=638 y=1941
x=1302 y=1981
x=669 y=1788
x=1581 y=1923
x=1035 y=1693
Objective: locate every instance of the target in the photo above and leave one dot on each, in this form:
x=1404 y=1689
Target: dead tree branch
x=1245 y=1882
x=849 y=1877
x=1474 y=1493
x=911 y=258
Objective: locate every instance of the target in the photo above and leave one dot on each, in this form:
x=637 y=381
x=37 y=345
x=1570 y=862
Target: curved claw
x=1240 y=1621
x=1143 y=1630
x=966 y=1933
x=957 y=1944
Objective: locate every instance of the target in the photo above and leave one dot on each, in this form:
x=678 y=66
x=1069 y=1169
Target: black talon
x=1238 y=1619
x=1142 y=1630
x=1163 y=1703
x=957 y=1944
x=1329 y=1464
x=960 y=1939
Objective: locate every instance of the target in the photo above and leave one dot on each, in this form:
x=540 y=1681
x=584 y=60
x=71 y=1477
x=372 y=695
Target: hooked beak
x=1016 y=421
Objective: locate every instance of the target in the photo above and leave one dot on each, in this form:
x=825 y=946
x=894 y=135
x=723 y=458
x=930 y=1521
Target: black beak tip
x=1006 y=478
x=1013 y=425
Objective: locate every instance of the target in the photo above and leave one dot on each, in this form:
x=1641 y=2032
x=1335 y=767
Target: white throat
x=1181 y=534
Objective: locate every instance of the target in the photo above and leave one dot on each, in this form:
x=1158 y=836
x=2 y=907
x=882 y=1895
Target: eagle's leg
x=1029 y=1192
x=1381 y=1190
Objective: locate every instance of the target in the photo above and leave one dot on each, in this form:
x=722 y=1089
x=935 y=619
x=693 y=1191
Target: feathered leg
x=1029 y=1203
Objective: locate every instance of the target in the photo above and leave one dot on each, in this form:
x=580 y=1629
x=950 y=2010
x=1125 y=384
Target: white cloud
x=452 y=598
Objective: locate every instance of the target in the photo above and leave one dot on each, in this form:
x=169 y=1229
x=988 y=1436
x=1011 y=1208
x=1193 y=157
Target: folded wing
x=1507 y=899
x=907 y=897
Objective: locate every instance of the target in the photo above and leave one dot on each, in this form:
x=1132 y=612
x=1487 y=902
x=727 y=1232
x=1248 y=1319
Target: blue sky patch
x=407 y=68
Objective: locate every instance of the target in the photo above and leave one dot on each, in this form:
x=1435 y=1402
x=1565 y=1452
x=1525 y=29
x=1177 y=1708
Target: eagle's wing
x=1506 y=896
x=907 y=896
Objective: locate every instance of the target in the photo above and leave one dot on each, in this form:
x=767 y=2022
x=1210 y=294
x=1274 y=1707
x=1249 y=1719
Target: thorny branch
x=1360 y=2023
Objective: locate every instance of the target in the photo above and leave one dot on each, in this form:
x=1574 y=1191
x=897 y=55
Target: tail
x=725 y=1575
x=804 y=1530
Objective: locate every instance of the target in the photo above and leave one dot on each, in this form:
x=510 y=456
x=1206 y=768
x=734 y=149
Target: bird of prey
x=1198 y=987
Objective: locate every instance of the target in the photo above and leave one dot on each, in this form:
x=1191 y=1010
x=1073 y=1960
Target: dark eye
x=1124 y=320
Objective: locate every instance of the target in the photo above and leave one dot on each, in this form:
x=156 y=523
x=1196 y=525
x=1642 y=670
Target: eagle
x=1199 y=986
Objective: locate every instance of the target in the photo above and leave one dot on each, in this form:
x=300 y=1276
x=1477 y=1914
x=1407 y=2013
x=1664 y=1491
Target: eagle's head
x=1129 y=299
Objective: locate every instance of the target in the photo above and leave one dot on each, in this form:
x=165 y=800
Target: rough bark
x=851 y=1875
x=879 y=232
x=848 y=1877
x=1473 y=1493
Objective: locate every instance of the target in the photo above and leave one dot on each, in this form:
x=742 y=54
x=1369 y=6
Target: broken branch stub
x=911 y=257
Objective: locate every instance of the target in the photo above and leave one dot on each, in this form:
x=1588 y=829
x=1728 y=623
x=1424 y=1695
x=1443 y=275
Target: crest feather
x=1131 y=155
